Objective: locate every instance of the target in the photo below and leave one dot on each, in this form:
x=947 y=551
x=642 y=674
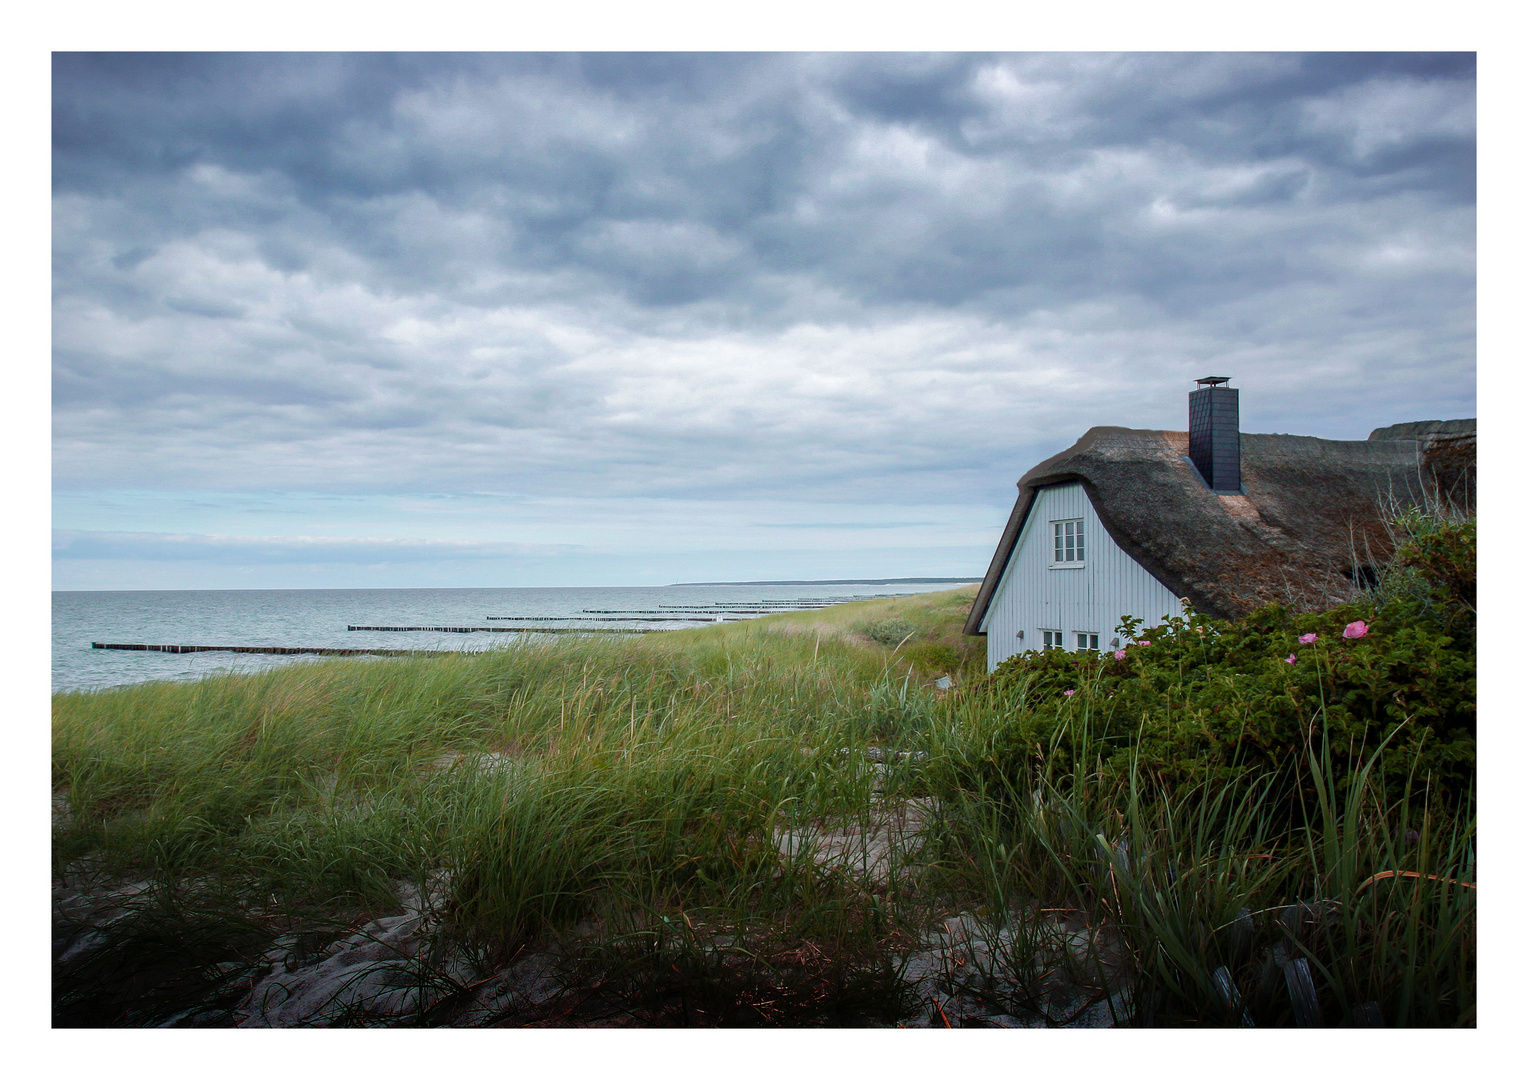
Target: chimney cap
x=1213 y=380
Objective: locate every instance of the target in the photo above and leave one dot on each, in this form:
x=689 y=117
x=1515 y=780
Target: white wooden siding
x=1031 y=596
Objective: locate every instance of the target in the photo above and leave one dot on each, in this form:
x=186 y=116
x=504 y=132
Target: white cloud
x=1382 y=114
x=793 y=280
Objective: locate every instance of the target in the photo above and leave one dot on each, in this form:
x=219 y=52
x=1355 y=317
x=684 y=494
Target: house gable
x=1035 y=593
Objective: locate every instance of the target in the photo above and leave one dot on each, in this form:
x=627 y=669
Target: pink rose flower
x=1306 y=639
x=1355 y=629
x=1069 y=693
x=1120 y=655
x=1143 y=643
x=1290 y=659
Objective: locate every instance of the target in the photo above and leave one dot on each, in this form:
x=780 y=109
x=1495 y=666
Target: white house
x=1131 y=522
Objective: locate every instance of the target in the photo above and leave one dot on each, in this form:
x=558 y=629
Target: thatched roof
x=1313 y=509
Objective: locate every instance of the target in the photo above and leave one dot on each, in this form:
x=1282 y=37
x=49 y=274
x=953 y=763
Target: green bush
x=891 y=632
x=1433 y=575
x=1197 y=699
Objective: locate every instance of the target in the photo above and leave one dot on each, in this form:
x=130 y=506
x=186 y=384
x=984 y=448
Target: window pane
x=1066 y=539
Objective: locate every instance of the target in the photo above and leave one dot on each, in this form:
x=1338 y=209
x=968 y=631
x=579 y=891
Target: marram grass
x=627 y=794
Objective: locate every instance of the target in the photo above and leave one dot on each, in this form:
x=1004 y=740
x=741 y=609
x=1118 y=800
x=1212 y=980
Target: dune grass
x=558 y=780
x=1201 y=900
x=628 y=795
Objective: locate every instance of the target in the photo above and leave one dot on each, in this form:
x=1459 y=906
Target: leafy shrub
x=1433 y=574
x=1197 y=699
x=889 y=632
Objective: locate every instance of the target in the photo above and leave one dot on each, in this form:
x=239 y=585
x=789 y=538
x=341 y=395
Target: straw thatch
x=1310 y=520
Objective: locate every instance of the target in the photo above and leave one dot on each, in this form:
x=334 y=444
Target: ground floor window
x=1055 y=639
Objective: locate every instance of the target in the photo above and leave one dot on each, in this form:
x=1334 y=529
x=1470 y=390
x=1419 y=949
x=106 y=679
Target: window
x=1087 y=642
x=1068 y=537
x=1052 y=639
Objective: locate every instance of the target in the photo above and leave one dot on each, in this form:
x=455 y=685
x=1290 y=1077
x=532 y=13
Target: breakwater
x=270 y=650
x=502 y=629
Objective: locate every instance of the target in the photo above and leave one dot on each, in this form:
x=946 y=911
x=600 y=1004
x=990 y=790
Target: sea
x=322 y=618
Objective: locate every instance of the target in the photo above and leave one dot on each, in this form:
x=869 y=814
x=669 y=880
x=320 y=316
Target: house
x=1131 y=522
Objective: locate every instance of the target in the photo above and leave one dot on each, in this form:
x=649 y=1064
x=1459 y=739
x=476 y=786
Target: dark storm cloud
x=566 y=157
x=793 y=274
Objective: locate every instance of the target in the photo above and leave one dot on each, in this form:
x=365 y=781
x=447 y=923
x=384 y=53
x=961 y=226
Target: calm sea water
x=318 y=617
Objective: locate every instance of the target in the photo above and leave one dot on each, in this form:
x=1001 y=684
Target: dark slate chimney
x=1214 y=434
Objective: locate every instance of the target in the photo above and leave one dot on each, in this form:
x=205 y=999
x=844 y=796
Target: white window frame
x=1087 y=641
x=1068 y=547
x=1052 y=639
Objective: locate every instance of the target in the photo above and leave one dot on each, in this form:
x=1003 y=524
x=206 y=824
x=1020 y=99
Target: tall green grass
x=627 y=797
x=1201 y=901
x=554 y=782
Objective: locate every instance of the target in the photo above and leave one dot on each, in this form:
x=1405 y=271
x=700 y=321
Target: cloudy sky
x=455 y=320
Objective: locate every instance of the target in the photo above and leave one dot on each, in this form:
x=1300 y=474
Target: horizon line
x=840 y=581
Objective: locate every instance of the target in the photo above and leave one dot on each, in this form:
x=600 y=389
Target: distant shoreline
x=845 y=581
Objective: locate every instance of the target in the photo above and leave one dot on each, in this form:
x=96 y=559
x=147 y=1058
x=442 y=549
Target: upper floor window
x=1068 y=537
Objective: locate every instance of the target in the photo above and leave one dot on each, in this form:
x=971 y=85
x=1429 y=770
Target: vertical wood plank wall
x=1033 y=597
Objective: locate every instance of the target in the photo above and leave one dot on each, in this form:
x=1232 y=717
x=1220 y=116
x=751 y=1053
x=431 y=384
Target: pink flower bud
x=1355 y=629
x=1069 y=693
x=1290 y=659
x=1306 y=639
x=1143 y=643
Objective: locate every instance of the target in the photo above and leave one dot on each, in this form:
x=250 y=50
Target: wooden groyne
x=701 y=614
x=319 y=650
x=702 y=618
x=276 y=650
x=506 y=629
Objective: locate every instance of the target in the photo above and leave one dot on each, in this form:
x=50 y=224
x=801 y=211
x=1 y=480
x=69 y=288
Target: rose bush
x=1395 y=666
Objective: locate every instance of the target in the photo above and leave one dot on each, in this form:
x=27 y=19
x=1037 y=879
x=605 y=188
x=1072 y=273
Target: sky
x=435 y=320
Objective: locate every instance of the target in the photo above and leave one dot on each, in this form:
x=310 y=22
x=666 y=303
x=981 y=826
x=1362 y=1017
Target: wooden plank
x=1302 y=993
x=1230 y=996
x=1366 y=1015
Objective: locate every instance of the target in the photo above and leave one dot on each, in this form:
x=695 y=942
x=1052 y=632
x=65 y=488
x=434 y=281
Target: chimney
x=1214 y=434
